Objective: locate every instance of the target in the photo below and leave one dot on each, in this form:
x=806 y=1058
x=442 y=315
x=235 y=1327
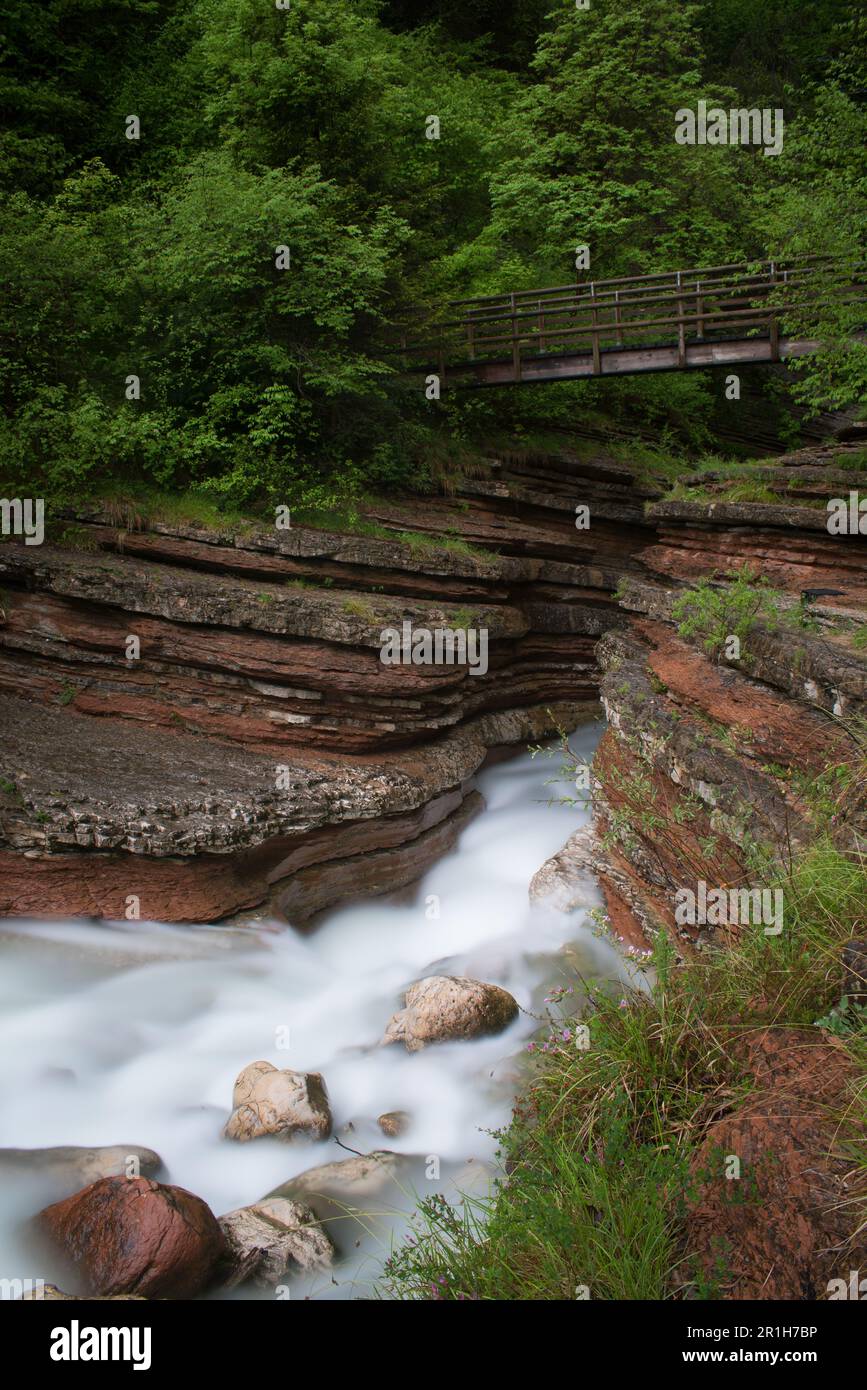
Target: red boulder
x=134 y=1236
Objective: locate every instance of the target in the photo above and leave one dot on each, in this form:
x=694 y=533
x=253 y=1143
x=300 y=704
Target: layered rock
x=257 y=751
x=708 y=757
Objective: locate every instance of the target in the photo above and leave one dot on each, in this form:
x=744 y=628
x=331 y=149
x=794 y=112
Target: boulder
x=394 y=1123
x=280 y=1103
x=273 y=1238
x=136 y=1236
x=441 y=1008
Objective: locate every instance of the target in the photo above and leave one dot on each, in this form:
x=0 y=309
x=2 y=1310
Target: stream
x=134 y=1033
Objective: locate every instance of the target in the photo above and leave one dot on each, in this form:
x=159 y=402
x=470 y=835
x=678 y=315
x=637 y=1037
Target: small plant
x=358 y=608
x=78 y=538
x=462 y=618
x=847 y=1019
x=714 y=614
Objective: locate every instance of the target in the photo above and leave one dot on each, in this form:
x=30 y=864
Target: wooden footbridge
x=716 y=316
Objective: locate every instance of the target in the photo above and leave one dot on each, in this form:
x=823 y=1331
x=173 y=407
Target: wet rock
x=135 y=1236
x=792 y=1230
x=67 y=1168
x=280 y=1103
x=210 y=833
x=352 y=1183
x=564 y=881
x=441 y=1008
x=273 y=1238
x=394 y=1123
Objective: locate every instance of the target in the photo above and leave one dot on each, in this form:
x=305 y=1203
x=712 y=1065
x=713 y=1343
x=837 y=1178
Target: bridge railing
x=592 y=317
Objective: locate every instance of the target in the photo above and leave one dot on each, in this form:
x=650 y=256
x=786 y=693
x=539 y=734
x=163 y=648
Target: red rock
x=135 y=1236
x=784 y=1230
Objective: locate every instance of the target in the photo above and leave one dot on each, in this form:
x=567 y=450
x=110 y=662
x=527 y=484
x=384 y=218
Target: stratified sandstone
x=257 y=752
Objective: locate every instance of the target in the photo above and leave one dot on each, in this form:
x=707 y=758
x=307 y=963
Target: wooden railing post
x=699 y=310
x=618 y=318
x=594 y=316
x=516 y=346
x=773 y=324
x=681 y=332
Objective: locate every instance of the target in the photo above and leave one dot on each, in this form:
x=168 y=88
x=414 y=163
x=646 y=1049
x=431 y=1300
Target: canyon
x=259 y=756
x=258 y=762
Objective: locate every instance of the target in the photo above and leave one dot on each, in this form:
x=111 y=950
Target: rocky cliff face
x=710 y=760
x=259 y=753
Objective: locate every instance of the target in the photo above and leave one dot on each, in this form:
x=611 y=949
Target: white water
x=134 y=1033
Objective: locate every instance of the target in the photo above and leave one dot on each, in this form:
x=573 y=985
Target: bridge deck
x=563 y=366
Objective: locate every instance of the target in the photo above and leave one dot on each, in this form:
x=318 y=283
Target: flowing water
x=134 y=1033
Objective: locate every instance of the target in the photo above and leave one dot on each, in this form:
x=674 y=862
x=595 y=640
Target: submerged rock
x=273 y=1238
x=337 y=1188
x=280 y=1103
x=135 y=1236
x=67 y=1168
x=444 y=1007
x=103 y=1161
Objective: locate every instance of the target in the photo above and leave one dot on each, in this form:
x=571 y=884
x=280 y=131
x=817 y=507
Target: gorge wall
x=258 y=754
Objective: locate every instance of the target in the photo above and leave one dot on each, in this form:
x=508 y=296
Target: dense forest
x=157 y=153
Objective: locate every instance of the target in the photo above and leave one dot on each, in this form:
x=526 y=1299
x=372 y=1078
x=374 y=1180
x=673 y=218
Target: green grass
x=420 y=543
x=599 y=1150
x=135 y=506
x=359 y=608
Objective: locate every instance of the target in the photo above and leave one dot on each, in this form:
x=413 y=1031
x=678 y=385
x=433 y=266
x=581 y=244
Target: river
x=134 y=1033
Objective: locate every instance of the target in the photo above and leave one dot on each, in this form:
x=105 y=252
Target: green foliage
x=817 y=200
x=306 y=128
x=714 y=612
